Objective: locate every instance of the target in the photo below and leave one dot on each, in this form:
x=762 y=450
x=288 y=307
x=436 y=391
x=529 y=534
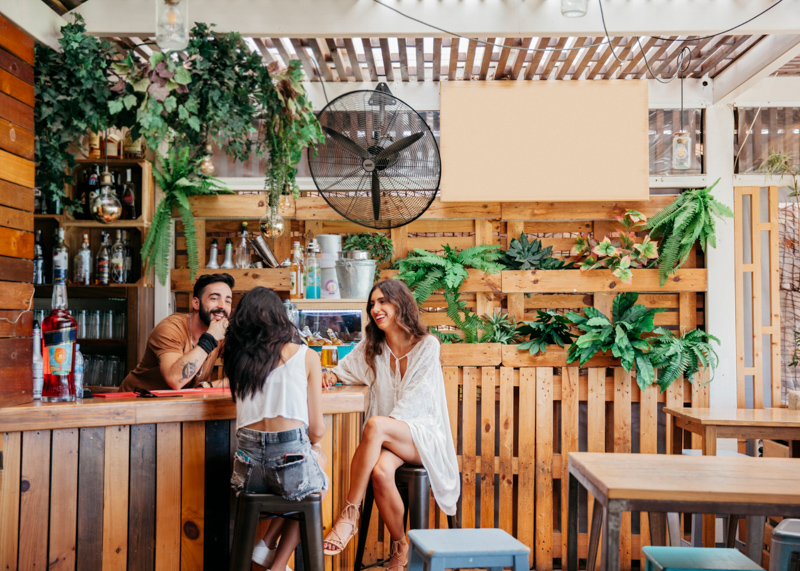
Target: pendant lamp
x=681 y=140
x=172 y=20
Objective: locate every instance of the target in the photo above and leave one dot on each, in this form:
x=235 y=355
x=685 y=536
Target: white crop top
x=285 y=393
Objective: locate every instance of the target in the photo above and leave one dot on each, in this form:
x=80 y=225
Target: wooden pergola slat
x=452 y=68
x=587 y=57
x=337 y=59
x=281 y=50
x=500 y=70
x=386 y=55
x=420 y=56
x=521 y=56
x=308 y=67
x=352 y=55
x=370 y=57
x=327 y=75
x=537 y=57
x=469 y=62
x=654 y=58
x=554 y=57
x=437 y=58
x=571 y=55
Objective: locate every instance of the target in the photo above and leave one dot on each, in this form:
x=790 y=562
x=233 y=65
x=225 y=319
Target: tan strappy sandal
x=350 y=515
x=400 y=550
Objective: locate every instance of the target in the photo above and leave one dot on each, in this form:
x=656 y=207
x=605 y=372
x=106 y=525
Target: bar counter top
x=128 y=411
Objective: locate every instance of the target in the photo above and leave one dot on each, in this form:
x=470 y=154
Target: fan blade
x=347 y=143
x=376 y=195
x=398 y=146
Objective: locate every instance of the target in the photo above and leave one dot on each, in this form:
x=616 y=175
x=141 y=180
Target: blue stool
x=784 y=551
x=464 y=549
x=696 y=559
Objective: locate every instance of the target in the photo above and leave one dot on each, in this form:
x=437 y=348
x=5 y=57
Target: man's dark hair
x=208 y=279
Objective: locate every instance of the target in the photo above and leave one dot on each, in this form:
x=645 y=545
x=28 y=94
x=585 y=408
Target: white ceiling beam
x=35 y=19
x=771 y=92
x=424 y=96
x=758 y=63
x=474 y=18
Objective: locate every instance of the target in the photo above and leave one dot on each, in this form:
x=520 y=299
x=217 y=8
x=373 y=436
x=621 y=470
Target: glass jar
x=681 y=150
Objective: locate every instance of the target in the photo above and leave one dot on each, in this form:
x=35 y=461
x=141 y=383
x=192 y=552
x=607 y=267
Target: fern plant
x=549 y=328
x=681 y=356
x=499 y=327
x=529 y=255
x=178 y=178
x=425 y=272
x=622 y=335
x=678 y=226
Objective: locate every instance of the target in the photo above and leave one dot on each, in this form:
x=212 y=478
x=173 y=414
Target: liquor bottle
x=79 y=367
x=312 y=271
x=60 y=254
x=227 y=263
x=129 y=198
x=92 y=189
x=38 y=260
x=128 y=262
x=102 y=262
x=213 y=256
x=243 y=256
x=296 y=272
x=132 y=149
x=117 y=264
x=60 y=333
x=94 y=145
x=82 y=267
x=37 y=370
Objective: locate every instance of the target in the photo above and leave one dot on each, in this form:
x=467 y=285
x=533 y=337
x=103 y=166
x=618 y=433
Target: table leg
x=674 y=524
x=730 y=538
x=710 y=520
x=755 y=537
x=612 y=523
x=572 y=524
x=677 y=437
x=658 y=528
x=594 y=535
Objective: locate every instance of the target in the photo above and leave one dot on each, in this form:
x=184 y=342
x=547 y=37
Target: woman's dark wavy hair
x=254 y=340
x=407 y=317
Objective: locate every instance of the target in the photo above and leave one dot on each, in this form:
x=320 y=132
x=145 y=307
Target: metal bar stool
x=414 y=487
x=307 y=511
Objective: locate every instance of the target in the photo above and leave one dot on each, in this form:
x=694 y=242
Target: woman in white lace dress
x=406 y=420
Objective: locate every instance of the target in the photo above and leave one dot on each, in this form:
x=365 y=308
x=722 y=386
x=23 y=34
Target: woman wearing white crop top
x=276 y=383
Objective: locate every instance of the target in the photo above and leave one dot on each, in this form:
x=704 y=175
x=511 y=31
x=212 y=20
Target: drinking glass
x=112 y=372
x=120 y=325
x=100 y=371
x=107 y=325
x=93 y=325
x=82 y=324
x=330 y=356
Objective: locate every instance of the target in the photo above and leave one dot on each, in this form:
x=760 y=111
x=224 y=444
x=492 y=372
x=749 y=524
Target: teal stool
x=465 y=549
x=696 y=559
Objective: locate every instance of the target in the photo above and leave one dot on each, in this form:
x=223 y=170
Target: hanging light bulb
x=106 y=207
x=272 y=224
x=574 y=8
x=681 y=140
x=286 y=201
x=206 y=166
x=172 y=17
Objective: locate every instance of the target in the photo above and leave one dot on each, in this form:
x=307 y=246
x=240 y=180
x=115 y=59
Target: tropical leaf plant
x=177 y=175
x=549 y=328
x=425 y=272
x=499 y=327
x=688 y=219
x=523 y=254
x=620 y=252
x=622 y=335
x=683 y=356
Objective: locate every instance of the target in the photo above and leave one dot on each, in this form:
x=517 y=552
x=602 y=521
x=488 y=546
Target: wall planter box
x=471 y=354
x=574 y=281
x=246 y=279
x=477 y=281
x=555 y=357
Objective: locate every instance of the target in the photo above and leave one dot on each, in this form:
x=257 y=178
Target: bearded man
x=183 y=348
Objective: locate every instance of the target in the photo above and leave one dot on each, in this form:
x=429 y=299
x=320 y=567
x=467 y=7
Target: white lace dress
x=418 y=399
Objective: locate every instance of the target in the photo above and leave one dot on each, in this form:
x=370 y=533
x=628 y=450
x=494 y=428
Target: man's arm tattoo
x=189 y=371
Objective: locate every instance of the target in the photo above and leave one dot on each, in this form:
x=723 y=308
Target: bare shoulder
x=312 y=357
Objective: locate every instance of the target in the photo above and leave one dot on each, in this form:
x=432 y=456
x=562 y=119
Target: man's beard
x=205 y=316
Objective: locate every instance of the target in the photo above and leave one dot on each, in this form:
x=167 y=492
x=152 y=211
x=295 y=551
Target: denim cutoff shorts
x=260 y=467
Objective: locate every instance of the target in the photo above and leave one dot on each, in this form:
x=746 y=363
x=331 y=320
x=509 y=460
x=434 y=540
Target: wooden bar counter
x=134 y=483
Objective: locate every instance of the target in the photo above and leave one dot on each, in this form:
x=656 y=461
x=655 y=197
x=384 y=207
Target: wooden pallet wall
x=16 y=213
x=750 y=236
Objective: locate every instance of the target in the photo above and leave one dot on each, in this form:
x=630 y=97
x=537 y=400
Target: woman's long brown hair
x=407 y=317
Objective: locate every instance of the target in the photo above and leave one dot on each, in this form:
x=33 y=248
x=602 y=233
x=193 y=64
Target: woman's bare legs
x=380 y=433
x=290 y=536
x=390 y=505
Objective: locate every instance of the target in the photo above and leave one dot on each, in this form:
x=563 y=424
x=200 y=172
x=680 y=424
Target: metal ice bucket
x=356 y=274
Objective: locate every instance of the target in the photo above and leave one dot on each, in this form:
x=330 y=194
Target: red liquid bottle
x=59 y=331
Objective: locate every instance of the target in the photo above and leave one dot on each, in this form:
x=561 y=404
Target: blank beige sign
x=544 y=140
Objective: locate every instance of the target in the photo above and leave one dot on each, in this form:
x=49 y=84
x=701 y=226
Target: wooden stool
x=414 y=487
x=697 y=559
x=307 y=511
x=465 y=549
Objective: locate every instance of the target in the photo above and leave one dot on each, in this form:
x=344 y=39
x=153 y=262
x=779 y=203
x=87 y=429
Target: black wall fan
x=379 y=166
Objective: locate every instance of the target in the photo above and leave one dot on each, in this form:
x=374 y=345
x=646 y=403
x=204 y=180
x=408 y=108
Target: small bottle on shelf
x=243 y=256
x=227 y=263
x=312 y=273
x=92 y=189
x=60 y=333
x=82 y=267
x=60 y=254
x=296 y=272
x=128 y=257
x=79 y=363
x=132 y=149
x=129 y=198
x=94 y=145
x=102 y=262
x=213 y=256
x=117 y=263
x=38 y=260
x=38 y=379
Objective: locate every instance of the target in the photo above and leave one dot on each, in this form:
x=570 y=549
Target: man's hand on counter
x=217 y=328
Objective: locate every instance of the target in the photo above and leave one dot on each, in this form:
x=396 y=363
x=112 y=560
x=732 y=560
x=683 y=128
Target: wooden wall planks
x=16 y=41
x=142 y=498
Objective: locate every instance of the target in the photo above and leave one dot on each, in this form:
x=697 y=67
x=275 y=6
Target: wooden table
x=713 y=423
x=661 y=483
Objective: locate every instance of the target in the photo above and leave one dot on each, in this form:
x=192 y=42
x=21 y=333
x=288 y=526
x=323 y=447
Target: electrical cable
x=319 y=74
x=724 y=31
